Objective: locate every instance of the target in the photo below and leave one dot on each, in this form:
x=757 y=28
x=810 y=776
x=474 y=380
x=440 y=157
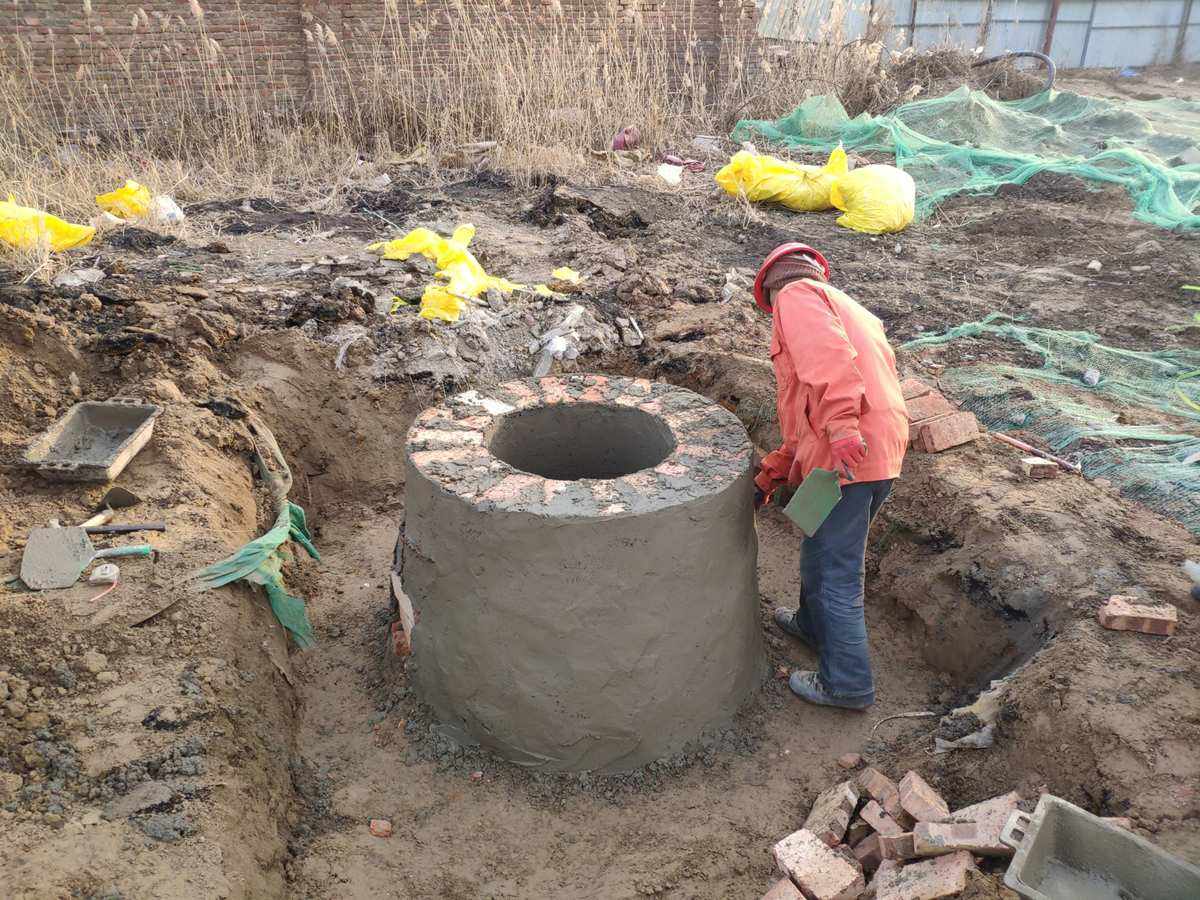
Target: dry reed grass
x=179 y=111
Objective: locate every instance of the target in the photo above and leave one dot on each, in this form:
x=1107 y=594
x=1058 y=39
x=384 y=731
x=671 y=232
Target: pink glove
x=848 y=453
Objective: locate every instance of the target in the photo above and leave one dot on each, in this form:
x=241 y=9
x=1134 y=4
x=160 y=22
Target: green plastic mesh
x=1134 y=426
x=966 y=142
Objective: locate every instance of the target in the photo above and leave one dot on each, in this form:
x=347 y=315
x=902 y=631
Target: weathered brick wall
x=276 y=44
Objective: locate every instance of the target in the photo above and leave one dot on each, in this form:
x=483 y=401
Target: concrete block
x=868 y=853
x=883 y=791
x=1130 y=614
x=927 y=407
x=899 y=848
x=783 y=889
x=948 y=431
x=911 y=388
x=874 y=816
x=921 y=801
x=990 y=817
x=1036 y=467
x=942 y=876
x=832 y=811
x=820 y=872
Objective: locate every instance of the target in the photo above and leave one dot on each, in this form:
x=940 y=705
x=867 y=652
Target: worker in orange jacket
x=840 y=409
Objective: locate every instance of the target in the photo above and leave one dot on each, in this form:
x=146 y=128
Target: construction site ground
x=276 y=761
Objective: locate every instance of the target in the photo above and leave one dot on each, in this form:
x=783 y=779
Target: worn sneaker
x=807 y=686
x=786 y=620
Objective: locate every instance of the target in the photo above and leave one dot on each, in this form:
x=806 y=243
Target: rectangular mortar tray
x=1065 y=853
x=94 y=441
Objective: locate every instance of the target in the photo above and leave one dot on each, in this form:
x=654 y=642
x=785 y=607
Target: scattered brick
x=868 y=853
x=820 y=872
x=911 y=388
x=927 y=407
x=831 y=813
x=883 y=791
x=899 y=847
x=858 y=831
x=402 y=627
x=937 y=838
x=947 y=431
x=874 y=816
x=888 y=869
x=921 y=801
x=1128 y=614
x=942 y=876
x=990 y=817
x=850 y=761
x=1036 y=467
x=783 y=889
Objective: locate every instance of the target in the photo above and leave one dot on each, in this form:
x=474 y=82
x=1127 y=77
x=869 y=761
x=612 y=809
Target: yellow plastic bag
x=26 y=228
x=875 y=199
x=765 y=179
x=129 y=202
x=464 y=277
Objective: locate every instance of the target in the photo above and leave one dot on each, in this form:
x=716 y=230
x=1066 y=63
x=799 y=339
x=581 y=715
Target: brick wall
x=276 y=45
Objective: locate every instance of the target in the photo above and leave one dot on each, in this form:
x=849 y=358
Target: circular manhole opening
x=570 y=441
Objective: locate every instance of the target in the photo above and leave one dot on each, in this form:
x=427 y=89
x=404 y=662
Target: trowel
x=56 y=557
x=114 y=498
x=814 y=500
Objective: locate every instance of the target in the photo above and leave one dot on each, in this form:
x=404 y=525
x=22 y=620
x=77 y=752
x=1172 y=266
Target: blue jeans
x=831 y=591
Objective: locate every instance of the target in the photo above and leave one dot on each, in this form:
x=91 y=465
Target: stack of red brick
x=871 y=837
x=934 y=423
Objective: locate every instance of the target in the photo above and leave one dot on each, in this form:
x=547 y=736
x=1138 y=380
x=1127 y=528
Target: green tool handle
x=135 y=550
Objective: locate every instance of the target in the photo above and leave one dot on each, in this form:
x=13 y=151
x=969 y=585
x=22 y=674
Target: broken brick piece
x=990 y=817
x=883 y=791
x=948 y=431
x=820 y=872
x=911 y=388
x=921 y=801
x=868 y=853
x=1127 y=614
x=927 y=406
x=874 y=816
x=942 y=876
x=858 y=830
x=1036 y=467
x=831 y=813
x=937 y=838
x=900 y=847
x=783 y=889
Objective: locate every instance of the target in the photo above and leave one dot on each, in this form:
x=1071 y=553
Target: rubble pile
x=871 y=837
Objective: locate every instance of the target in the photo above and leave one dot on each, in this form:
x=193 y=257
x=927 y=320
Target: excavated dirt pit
x=173 y=745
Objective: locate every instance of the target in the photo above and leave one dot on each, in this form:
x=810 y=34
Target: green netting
x=1133 y=426
x=966 y=142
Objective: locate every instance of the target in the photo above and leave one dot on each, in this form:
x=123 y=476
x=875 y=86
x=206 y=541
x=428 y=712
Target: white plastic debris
x=78 y=277
x=977 y=740
x=1095 y=265
x=165 y=210
x=107 y=573
x=672 y=175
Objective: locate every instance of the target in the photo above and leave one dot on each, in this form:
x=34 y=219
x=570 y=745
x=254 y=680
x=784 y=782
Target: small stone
x=196 y=293
x=1095 y=265
x=107 y=677
x=54 y=820
x=381 y=828
x=1091 y=377
x=782 y=673
x=94 y=661
x=10 y=783
x=850 y=760
x=477 y=776
x=15 y=709
x=35 y=720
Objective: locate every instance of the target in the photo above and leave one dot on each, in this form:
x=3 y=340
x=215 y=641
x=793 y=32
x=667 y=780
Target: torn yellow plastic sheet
x=569 y=275
x=465 y=279
x=25 y=228
x=129 y=202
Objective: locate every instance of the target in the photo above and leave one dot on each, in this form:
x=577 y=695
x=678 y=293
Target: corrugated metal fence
x=1083 y=33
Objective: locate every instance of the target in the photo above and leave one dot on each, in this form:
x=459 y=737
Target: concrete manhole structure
x=580 y=552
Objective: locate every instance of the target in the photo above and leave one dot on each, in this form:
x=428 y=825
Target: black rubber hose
x=1051 y=69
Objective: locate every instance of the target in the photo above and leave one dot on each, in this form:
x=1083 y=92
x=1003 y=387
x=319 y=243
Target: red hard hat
x=774 y=256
